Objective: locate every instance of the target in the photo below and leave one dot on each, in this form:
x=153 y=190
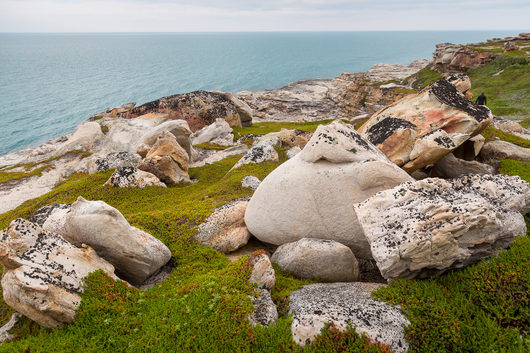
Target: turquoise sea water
x=49 y=83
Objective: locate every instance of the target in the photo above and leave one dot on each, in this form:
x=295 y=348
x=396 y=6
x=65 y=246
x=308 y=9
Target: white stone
x=293 y=151
x=250 y=182
x=219 y=131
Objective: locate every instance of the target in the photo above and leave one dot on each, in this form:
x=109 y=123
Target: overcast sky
x=260 y=15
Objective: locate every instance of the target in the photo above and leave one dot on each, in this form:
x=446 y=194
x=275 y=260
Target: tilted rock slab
x=452 y=167
x=426 y=227
x=178 y=128
x=339 y=303
x=125 y=177
x=167 y=160
x=219 y=132
x=43 y=273
x=135 y=254
x=419 y=130
x=312 y=194
x=503 y=150
x=318 y=258
x=225 y=228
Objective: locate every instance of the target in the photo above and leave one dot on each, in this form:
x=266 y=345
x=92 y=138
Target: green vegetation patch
x=493 y=134
x=423 y=78
x=507 y=93
x=211 y=146
x=525 y=123
x=267 y=127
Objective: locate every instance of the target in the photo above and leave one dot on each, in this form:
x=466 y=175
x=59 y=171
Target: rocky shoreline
x=396 y=179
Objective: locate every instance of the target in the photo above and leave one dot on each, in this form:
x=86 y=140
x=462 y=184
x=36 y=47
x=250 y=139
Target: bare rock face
x=387 y=72
x=450 y=58
x=178 y=128
x=317 y=258
x=116 y=160
x=503 y=150
x=135 y=254
x=43 y=272
x=452 y=167
x=426 y=227
x=199 y=108
x=339 y=303
x=125 y=177
x=225 y=228
x=218 y=132
x=250 y=182
x=418 y=131
x=167 y=160
x=312 y=194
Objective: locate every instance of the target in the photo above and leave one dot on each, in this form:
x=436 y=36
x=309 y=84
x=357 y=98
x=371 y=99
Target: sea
x=50 y=83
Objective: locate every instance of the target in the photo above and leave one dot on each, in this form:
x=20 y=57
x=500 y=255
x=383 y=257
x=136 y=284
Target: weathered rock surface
x=260 y=152
x=134 y=253
x=250 y=182
x=387 y=72
x=312 y=194
x=503 y=150
x=263 y=274
x=52 y=218
x=287 y=137
x=115 y=160
x=452 y=167
x=317 y=258
x=424 y=228
x=167 y=160
x=4 y=330
x=178 y=128
x=265 y=312
x=340 y=303
x=293 y=151
x=450 y=58
x=205 y=156
x=219 y=132
x=470 y=149
x=225 y=228
x=199 y=108
x=43 y=273
x=419 y=130
x=125 y=177
x=84 y=138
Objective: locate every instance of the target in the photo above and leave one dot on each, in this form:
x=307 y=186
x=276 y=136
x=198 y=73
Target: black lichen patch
x=445 y=141
x=382 y=130
x=44 y=212
x=448 y=94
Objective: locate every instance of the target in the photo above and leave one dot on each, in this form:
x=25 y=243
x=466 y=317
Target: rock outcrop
x=116 y=160
x=417 y=131
x=388 y=72
x=317 y=258
x=312 y=194
x=426 y=227
x=125 y=177
x=134 y=253
x=219 y=132
x=178 y=128
x=167 y=160
x=454 y=58
x=43 y=273
x=199 y=108
x=341 y=303
x=504 y=150
x=225 y=228
x=452 y=167
x=52 y=218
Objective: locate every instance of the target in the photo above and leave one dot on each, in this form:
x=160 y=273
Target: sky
x=260 y=15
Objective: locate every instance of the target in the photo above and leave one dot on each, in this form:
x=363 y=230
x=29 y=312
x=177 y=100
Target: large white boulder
x=312 y=194
x=43 y=273
x=426 y=227
x=341 y=303
x=135 y=254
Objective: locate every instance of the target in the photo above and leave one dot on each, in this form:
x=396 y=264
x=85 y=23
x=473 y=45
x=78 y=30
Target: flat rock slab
x=339 y=303
x=426 y=227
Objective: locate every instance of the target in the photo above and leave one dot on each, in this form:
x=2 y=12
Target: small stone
x=250 y=182
x=125 y=177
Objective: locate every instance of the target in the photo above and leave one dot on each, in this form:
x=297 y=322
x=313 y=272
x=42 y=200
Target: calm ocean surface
x=49 y=83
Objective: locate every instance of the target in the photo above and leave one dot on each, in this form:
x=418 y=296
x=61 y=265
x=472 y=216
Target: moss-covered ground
x=203 y=305
x=508 y=92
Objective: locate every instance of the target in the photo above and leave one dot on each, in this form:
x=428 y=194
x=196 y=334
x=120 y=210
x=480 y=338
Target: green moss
x=516 y=53
x=211 y=146
x=104 y=129
x=423 y=78
x=512 y=167
x=507 y=93
x=99 y=117
x=266 y=127
x=406 y=90
x=494 y=134
x=525 y=123
x=285 y=285
x=379 y=84
x=358 y=125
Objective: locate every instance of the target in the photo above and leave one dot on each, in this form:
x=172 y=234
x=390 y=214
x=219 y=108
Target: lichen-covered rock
x=250 y=182
x=43 y=273
x=504 y=150
x=419 y=130
x=312 y=194
x=450 y=58
x=178 y=128
x=317 y=258
x=263 y=275
x=260 y=152
x=209 y=156
x=167 y=160
x=4 y=330
x=452 y=167
x=134 y=253
x=219 y=132
x=199 y=108
x=426 y=227
x=225 y=228
x=115 y=160
x=265 y=312
x=459 y=80
x=43 y=213
x=125 y=177
x=288 y=137
x=341 y=303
